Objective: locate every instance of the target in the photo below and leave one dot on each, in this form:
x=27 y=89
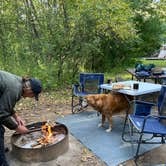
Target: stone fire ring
x=41 y=154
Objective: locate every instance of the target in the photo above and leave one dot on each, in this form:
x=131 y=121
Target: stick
x=36 y=129
x=36 y=145
x=30 y=131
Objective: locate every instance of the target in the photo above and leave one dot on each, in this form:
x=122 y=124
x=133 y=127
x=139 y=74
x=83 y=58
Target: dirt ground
x=49 y=107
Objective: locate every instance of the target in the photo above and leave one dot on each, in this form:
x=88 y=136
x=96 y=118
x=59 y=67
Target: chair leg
x=77 y=107
x=138 y=147
x=163 y=138
x=82 y=108
x=131 y=135
x=72 y=104
x=72 y=101
x=124 y=128
x=73 y=107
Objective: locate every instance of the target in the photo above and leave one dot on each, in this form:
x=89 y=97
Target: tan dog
x=108 y=105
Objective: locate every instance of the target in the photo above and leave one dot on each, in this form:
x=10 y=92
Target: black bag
x=142 y=74
x=141 y=67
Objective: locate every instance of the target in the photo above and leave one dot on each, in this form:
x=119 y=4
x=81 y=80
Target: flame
x=47 y=131
x=47 y=134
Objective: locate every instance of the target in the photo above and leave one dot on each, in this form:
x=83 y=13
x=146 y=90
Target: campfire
x=47 y=130
x=43 y=138
x=49 y=136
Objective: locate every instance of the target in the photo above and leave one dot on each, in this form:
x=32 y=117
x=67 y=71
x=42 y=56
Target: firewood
x=36 y=144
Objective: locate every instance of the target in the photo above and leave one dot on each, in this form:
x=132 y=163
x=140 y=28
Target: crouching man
x=12 y=88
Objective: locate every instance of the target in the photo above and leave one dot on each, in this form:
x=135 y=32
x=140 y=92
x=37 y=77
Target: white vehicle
x=158 y=56
x=162 y=53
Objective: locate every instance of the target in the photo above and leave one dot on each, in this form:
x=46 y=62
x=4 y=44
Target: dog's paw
x=109 y=130
x=100 y=125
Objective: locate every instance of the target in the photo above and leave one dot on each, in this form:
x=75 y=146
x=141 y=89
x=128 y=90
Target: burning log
x=48 y=133
x=48 y=137
x=37 y=145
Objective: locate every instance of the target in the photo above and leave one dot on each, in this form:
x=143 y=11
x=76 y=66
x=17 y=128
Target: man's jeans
x=3 y=161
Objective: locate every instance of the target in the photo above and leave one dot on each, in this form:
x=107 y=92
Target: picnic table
x=156 y=78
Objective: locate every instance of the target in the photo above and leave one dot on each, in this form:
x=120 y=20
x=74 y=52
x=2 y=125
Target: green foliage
x=55 y=40
x=149 y=26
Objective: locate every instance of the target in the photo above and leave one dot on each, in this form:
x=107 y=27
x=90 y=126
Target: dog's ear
x=90 y=99
x=87 y=98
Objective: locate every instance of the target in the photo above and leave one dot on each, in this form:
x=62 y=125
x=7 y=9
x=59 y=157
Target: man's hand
x=21 y=129
x=21 y=125
x=19 y=120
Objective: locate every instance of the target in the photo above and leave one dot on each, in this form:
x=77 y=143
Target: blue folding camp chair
x=89 y=83
x=148 y=124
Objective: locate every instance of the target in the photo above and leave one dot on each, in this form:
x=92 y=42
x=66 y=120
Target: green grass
x=158 y=63
x=121 y=73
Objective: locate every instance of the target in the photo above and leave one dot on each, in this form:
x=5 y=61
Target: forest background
x=55 y=40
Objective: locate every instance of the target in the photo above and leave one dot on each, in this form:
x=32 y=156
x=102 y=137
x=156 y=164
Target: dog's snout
x=84 y=102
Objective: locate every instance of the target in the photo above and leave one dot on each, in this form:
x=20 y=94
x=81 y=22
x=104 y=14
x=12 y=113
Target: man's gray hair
x=27 y=84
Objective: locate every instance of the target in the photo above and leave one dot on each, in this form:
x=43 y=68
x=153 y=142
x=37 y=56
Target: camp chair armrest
x=162 y=117
x=155 y=116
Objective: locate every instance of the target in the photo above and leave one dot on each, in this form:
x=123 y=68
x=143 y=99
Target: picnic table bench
x=156 y=78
